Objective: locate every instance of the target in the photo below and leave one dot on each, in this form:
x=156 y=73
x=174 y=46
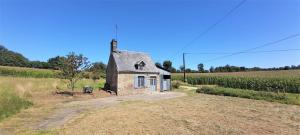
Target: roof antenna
x=116 y=28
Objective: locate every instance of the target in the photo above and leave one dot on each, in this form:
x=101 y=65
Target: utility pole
x=183 y=58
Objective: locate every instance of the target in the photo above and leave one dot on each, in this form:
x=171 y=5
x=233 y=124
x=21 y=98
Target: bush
x=176 y=84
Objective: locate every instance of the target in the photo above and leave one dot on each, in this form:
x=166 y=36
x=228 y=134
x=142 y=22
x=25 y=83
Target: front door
x=153 y=83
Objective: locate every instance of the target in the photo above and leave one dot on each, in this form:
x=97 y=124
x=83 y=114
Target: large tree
x=73 y=67
x=167 y=65
x=211 y=69
x=201 y=68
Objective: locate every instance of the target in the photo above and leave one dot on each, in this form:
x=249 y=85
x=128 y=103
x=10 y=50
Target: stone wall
x=126 y=84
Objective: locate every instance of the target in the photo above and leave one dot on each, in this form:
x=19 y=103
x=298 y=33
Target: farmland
x=258 y=74
x=34 y=90
x=192 y=114
x=272 y=81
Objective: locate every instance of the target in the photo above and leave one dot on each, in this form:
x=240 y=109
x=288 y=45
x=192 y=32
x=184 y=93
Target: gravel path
x=68 y=111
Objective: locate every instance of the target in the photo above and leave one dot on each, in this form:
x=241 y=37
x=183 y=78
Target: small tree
x=72 y=68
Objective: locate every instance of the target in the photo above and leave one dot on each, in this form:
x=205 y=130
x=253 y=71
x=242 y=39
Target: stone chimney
x=113 y=45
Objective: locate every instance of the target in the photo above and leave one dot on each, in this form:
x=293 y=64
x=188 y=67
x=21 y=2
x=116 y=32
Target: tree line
x=72 y=66
x=167 y=64
x=11 y=58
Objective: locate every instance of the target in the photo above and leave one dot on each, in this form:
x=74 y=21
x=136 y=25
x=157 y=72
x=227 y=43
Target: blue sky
x=41 y=29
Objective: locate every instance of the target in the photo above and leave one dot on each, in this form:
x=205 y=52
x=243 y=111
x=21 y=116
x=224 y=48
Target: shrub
x=176 y=84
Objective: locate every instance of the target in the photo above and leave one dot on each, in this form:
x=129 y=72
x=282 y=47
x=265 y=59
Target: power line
x=266 y=51
x=213 y=25
x=254 y=48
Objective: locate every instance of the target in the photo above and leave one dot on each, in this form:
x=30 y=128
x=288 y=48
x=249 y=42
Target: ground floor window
x=141 y=81
x=152 y=80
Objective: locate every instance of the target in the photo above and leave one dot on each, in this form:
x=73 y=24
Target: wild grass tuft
x=11 y=103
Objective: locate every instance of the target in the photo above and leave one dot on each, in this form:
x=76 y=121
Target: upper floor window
x=140 y=65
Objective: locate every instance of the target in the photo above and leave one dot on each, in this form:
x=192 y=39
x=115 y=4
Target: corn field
x=289 y=85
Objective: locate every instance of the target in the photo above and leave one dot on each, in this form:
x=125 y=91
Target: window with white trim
x=141 y=81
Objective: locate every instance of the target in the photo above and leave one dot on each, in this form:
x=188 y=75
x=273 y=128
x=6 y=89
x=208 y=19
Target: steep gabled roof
x=126 y=60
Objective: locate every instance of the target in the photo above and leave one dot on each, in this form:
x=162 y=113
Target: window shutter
x=136 y=81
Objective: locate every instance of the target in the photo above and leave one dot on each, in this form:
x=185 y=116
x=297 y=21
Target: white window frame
x=141 y=82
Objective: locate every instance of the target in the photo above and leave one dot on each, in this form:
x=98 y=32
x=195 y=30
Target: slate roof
x=126 y=60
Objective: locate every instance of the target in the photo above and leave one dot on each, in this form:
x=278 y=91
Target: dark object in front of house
x=87 y=89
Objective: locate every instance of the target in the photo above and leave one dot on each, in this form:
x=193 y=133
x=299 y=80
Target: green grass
x=27 y=72
x=286 y=98
x=11 y=103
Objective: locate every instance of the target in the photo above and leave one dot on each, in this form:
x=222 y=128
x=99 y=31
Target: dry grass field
x=272 y=74
x=193 y=114
x=199 y=114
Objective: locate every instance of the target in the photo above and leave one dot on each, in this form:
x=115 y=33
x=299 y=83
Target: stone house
x=134 y=72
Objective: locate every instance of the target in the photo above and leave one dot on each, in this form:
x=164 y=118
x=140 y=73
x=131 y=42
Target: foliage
x=157 y=64
x=97 y=70
x=10 y=58
x=28 y=72
x=291 y=85
x=176 y=84
x=167 y=65
x=11 y=104
x=73 y=67
x=56 y=62
x=251 y=94
x=211 y=69
x=201 y=68
x=39 y=64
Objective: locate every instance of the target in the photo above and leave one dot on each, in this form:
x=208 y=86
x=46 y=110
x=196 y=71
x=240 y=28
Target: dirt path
x=68 y=111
